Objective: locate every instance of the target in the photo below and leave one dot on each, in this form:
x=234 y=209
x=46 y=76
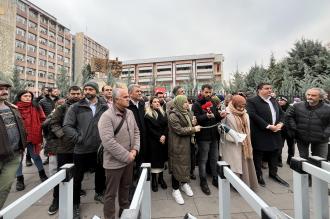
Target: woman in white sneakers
x=181 y=135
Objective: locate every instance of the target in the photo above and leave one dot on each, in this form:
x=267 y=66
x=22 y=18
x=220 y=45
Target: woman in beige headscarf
x=239 y=156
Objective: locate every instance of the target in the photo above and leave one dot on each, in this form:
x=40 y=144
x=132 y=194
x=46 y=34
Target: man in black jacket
x=80 y=126
x=266 y=121
x=207 y=139
x=48 y=102
x=64 y=147
x=309 y=123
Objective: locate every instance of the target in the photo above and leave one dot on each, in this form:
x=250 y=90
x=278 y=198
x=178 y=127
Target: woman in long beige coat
x=239 y=156
x=181 y=135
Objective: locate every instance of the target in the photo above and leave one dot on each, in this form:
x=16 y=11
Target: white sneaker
x=177 y=196
x=187 y=189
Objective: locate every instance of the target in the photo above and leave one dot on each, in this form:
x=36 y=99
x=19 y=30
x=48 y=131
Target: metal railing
x=226 y=177
x=319 y=170
x=141 y=204
x=64 y=177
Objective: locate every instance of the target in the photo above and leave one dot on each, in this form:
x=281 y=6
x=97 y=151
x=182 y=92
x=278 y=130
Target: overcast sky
x=244 y=31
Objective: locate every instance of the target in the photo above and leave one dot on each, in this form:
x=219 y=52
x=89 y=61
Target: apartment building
x=85 y=48
x=35 y=43
x=190 y=71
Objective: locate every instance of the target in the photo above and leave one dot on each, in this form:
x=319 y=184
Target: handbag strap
x=120 y=124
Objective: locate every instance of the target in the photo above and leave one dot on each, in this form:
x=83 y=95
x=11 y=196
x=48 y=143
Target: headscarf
x=241 y=119
x=178 y=104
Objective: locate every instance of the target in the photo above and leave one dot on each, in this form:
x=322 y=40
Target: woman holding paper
x=239 y=154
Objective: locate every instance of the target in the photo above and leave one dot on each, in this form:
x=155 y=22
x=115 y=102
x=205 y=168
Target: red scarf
x=32 y=120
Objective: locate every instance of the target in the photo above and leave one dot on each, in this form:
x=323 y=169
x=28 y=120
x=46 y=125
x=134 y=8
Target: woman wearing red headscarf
x=239 y=156
x=32 y=116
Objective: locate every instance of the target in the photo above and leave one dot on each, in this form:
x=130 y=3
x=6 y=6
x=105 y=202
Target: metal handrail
x=66 y=195
x=141 y=203
x=319 y=169
x=227 y=177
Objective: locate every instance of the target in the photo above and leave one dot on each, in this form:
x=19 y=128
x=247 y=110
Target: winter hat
x=4 y=84
x=92 y=84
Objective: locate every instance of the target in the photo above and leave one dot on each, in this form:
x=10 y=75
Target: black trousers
x=61 y=160
x=271 y=157
x=84 y=162
x=192 y=158
x=290 y=142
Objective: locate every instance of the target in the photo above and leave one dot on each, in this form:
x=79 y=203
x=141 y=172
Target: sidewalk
x=163 y=205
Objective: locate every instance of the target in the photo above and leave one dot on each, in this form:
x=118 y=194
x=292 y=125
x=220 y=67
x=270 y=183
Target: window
x=60 y=48
x=59 y=67
x=51 y=65
x=52 y=25
x=67 y=51
x=145 y=71
x=66 y=60
x=30 y=83
x=205 y=67
x=32 y=25
x=42 y=62
x=51 y=44
x=33 y=14
x=41 y=84
x=30 y=59
x=30 y=71
x=20 y=19
x=43 y=19
x=42 y=52
x=59 y=58
x=20 y=32
x=67 y=42
x=20 y=44
x=164 y=69
x=51 y=55
x=21 y=6
x=42 y=74
x=51 y=84
x=20 y=69
x=60 y=29
x=43 y=30
x=32 y=36
x=182 y=68
x=43 y=41
x=31 y=48
x=19 y=57
x=52 y=34
x=60 y=38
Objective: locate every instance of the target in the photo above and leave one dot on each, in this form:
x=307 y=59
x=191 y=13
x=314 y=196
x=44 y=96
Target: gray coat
x=80 y=126
x=179 y=140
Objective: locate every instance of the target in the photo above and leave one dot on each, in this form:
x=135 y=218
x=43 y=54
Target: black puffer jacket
x=209 y=134
x=309 y=124
x=47 y=104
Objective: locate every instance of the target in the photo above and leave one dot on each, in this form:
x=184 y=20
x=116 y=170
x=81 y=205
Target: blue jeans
x=35 y=157
x=207 y=150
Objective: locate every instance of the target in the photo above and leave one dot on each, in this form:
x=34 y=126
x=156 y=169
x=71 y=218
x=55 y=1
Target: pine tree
x=87 y=74
x=63 y=82
x=17 y=82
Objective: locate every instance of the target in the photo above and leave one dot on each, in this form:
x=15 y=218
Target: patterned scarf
x=241 y=119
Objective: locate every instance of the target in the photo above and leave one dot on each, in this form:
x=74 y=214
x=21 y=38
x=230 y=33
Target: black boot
x=42 y=175
x=20 y=183
x=204 y=186
x=161 y=181
x=154 y=183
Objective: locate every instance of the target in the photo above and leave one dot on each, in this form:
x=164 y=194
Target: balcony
x=42 y=68
x=21 y=13
x=43 y=35
x=144 y=80
x=20 y=37
x=45 y=25
x=34 y=19
x=204 y=77
x=21 y=25
x=164 y=79
x=43 y=46
x=31 y=65
x=20 y=63
x=20 y=50
x=33 y=30
x=43 y=57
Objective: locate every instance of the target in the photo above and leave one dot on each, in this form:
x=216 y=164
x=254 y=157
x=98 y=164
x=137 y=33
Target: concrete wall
x=7 y=35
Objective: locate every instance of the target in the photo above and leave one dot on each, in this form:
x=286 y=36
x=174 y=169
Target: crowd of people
x=176 y=133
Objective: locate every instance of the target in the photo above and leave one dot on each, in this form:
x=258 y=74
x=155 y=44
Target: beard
x=90 y=96
x=4 y=97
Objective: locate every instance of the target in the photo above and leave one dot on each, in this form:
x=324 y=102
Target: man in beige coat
x=120 y=151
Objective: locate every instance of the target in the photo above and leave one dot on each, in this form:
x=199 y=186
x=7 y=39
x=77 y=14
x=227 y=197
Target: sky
x=246 y=32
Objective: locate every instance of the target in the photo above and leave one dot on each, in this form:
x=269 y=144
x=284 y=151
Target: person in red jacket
x=33 y=116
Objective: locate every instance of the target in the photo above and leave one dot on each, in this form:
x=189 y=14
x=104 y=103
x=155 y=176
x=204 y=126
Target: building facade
x=85 y=48
x=35 y=43
x=189 y=71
